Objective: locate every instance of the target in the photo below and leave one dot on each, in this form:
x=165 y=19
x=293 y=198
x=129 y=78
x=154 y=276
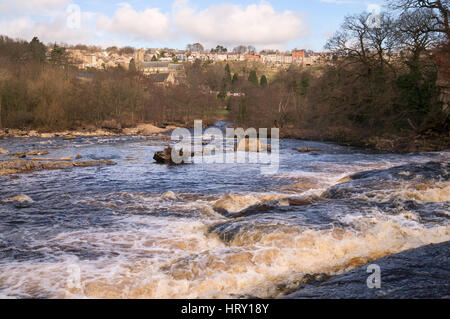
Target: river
x=143 y=230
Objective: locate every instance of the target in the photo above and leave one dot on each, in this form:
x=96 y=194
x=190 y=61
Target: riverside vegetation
x=384 y=88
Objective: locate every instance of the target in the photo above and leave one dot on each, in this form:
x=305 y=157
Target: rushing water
x=143 y=230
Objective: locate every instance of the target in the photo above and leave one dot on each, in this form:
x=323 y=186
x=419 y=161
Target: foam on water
x=182 y=261
x=138 y=230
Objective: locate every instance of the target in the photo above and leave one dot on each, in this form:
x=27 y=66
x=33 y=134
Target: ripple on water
x=139 y=230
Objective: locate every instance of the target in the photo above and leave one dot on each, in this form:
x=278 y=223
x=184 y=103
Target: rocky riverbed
x=138 y=229
x=418 y=273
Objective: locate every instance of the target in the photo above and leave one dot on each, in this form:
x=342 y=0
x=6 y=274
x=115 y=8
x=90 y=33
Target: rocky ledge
x=12 y=167
x=420 y=273
x=106 y=129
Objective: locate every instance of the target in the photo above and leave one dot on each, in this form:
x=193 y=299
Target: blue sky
x=278 y=24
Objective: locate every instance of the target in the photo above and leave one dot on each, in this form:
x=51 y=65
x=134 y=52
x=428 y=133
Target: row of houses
x=104 y=59
x=98 y=60
x=299 y=57
x=162 y=73
x=163 y=66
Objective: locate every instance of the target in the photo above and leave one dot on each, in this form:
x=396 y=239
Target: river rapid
x=143 y=230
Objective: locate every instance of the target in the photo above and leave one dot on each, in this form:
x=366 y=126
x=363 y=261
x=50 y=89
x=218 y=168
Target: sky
x=265 y=24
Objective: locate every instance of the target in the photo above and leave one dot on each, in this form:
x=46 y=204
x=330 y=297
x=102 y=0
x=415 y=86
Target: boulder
x=47 y=135
x=251 y=145
x=37 y=153
x=18 y=199
x=18 y=166
x=424 y=271
x=19 y=155
x=3 y=151
x=165 y=157
x=169 y=195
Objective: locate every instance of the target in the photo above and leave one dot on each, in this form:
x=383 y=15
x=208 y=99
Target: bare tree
x=359 y=42
x=412 y=32
x=382 y=39
x=351 y=41
x=196 y=47
x=439 y=8
x=241 y=49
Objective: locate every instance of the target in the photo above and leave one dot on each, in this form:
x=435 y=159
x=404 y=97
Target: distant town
x=166 y=65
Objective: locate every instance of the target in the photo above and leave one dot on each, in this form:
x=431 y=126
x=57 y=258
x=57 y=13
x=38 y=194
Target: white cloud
x=55 y=30
x=227 y=24
x=150 y=24
x=230 y=24
x=8 y=7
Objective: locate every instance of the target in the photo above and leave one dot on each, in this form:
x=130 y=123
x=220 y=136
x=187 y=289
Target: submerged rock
x=299 y=201
x=19 y=155
x=94 y=163
x=37 y=153
x=169 y=195
x=21 y=199
x=24 y=166
x=252 y=145
x=18 y=166
x=309 y=150
x=418 y=273
x=234 y=205
x=428 y=182
x=56 y=165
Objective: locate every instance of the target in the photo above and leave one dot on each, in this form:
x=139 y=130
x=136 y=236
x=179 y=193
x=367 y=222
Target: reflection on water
x=141 y=230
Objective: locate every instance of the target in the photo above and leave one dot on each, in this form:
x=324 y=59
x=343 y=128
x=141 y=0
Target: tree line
x=382 y=80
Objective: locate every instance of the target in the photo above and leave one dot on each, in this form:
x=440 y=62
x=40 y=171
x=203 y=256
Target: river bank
x=111 y=130
x=389 y=143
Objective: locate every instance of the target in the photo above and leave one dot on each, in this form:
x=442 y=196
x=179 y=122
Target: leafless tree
x=412 y=32
x=439 y=8
x=241 y=49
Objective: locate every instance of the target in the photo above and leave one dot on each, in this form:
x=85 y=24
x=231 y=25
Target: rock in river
x=165 y=157
x=94 y=163
x=309 y=149
x=418 y=273
x=3 y=151
x=252 y=145
x=37 y=153
x=19 y=155
x=21 y=199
